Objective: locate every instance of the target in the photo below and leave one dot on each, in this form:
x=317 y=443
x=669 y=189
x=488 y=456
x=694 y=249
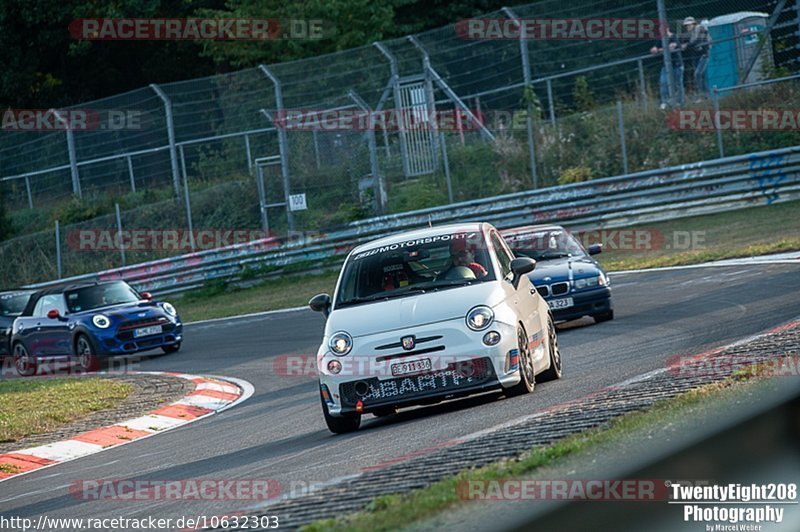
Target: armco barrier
x=656 y=195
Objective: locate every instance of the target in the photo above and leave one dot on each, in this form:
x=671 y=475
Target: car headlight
x=588 y=282
x=480 y=318
x=169 y=309
x=101 y=321
x=341 y=343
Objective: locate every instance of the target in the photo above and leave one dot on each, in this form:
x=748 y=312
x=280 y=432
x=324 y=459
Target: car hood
x=128 y=311
x=564 y=269
x=413 y=310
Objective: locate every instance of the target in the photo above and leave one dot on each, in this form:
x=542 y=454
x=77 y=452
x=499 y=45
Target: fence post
x=119 y=234
x=283 y=145
x=667 y=54
x=377 y=179
x=58 y=250
x=315 y=138
x=262 y=199
x=73 y=158
x=443 y=143
x=715 y=100
x=431 y=103
x=173 y=156
x=396 y=95
x=550 y=100
x=28 y=190
x=642 y=85
x=526 y=73
x=621 y=123
x=187 y=200
x=130 y=173
x=248 y=153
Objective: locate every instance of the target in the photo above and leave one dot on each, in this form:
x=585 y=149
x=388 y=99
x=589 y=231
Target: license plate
x=147 y=331
x=565 y=302
x=415 y=366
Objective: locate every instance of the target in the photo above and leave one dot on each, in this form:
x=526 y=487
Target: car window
x=13 y=303
x=502 y=254
x=101 y=295
x=430 y=263
x=48 y=303
x=545 y=245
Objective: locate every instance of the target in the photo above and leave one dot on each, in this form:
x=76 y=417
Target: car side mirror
x=147 y=295
x=594 y=249
x=321 y=303
x=53 y=314
x=520 y=266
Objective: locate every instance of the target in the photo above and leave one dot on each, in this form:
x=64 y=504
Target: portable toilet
x=729 y=56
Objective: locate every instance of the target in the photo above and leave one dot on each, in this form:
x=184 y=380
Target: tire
x=385 y=411
x=24 y=363
x=527 y=380
x=343 y=424
x=85 y=353
x=606 y=316
x=174 y=348
x=554 y=371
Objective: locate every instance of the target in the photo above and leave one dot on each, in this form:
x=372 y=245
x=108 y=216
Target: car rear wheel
x=174 y=348
x=343 y=424
x=554 y=371
x=606 y=316
x=24 y=363
x=526 y=372
x=87 y=358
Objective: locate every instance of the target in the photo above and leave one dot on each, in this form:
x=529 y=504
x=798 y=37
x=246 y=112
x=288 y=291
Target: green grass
x=742 y=233
x=398 y=511
x=36 y=406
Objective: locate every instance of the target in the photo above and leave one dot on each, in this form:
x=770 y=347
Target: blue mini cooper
x=91 y=322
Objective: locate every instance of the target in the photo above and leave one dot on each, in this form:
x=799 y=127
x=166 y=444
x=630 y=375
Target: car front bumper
x=585 y=303
x=461 y=365
x=113 y=346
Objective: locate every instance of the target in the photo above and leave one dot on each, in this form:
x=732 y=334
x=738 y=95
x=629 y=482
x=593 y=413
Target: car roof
x=18 y=291
x=531 y=229
x=422 y=233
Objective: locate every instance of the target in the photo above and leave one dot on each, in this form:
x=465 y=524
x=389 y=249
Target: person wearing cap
x=463 y=254
x=695 y=46
x=676 y=60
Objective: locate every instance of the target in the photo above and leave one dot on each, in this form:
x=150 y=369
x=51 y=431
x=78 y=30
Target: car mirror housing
x=53 y=314
x=520 y=266
x=594 y=249
x=147 y=295
x=321 y=303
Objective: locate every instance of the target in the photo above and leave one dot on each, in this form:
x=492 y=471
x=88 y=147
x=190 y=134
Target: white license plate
x=147 y=331
x=564 y=302
x=414 y=366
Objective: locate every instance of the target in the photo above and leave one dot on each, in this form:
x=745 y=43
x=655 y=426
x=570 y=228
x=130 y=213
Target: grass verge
x=398 y=511
x=36 y=406
x=742 y=233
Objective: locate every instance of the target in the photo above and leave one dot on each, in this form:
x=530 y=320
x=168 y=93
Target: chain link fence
x=219 y=153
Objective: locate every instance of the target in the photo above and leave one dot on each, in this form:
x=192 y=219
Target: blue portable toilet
x=728 y=57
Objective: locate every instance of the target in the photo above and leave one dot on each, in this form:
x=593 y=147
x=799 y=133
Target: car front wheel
x=87 y=358
x=343 y=424
x=606 y=316
x=24 y=363
x=527 y=379
x=174 y=348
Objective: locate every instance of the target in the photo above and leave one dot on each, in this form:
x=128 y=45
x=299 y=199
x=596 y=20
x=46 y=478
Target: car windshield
x=545 y=245
x=418 y=265
x=101 y=295
x=13 y=303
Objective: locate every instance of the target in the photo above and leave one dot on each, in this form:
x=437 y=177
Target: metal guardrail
x=656 y=195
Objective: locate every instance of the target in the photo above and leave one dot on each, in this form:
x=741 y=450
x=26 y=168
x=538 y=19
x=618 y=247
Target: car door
x=525 y=300
x=53 y=333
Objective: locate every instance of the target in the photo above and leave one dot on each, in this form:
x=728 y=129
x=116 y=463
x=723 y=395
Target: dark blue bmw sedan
x=91 y=322
x=566 y=276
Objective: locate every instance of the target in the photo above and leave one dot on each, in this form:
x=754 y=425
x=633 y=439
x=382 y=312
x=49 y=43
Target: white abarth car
x=429 y=315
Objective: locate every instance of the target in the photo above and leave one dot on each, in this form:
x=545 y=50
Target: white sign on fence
x=297 y=202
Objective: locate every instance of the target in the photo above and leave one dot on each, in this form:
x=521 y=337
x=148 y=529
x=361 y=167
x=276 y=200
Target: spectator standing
x=676 y=63
x=696 y=44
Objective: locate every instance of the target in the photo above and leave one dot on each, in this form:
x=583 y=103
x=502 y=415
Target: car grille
x=543 y=290
x=558 y=289
x=456 y=376
x=125 y=330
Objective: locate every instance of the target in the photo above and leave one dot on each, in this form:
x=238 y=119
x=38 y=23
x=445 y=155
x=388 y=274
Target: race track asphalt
x=279 y=433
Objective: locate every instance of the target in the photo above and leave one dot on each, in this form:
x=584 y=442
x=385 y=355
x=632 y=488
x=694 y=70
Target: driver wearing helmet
x=463 y=254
